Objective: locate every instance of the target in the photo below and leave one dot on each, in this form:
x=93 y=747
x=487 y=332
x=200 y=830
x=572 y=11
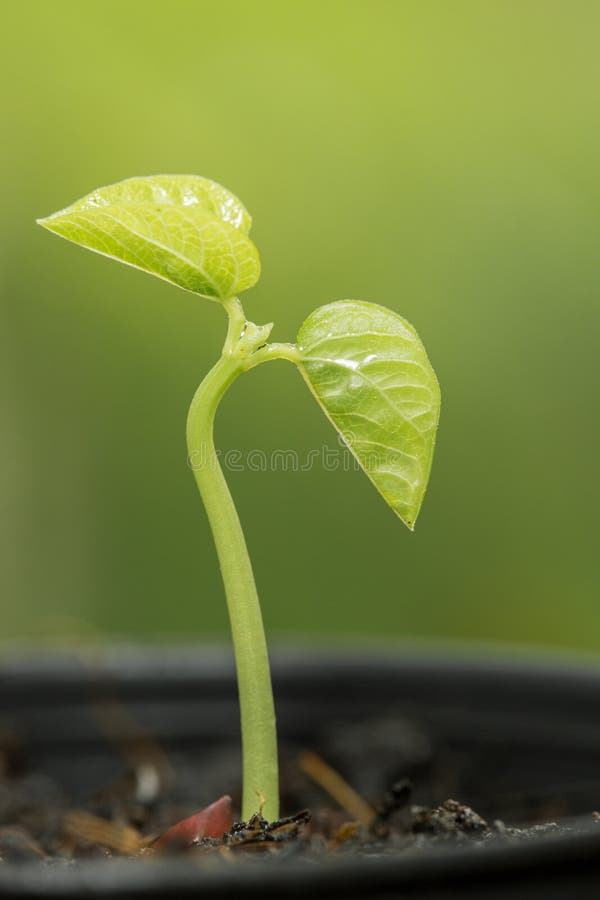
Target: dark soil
x=393 y=764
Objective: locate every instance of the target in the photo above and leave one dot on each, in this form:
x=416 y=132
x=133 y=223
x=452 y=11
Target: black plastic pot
x=516 y=733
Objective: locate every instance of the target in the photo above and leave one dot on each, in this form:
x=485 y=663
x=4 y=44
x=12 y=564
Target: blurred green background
x=439 y=158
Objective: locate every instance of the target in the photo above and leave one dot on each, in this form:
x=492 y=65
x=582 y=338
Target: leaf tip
x=46 y=222
x=410 y=523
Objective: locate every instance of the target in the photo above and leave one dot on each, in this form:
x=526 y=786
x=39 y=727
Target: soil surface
x=374 y=788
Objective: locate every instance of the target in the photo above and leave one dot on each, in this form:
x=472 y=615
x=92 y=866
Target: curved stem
x=237 y=323
x=259 y=739
x=274 y=351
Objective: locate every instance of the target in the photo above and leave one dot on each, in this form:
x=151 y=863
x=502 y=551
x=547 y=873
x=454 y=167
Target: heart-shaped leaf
x=370 y=373
x=183 y=228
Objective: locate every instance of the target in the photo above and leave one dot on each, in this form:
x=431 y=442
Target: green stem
x=259 y=738
x=274 y=351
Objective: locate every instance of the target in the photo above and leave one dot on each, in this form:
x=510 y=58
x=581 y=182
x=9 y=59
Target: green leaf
x=370 y=373
x=183 y=228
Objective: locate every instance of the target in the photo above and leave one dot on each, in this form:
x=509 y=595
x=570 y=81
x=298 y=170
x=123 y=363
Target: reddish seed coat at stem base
x=212 y=821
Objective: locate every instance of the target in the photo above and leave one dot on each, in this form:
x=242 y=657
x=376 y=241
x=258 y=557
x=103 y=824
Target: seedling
x=363 y=363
